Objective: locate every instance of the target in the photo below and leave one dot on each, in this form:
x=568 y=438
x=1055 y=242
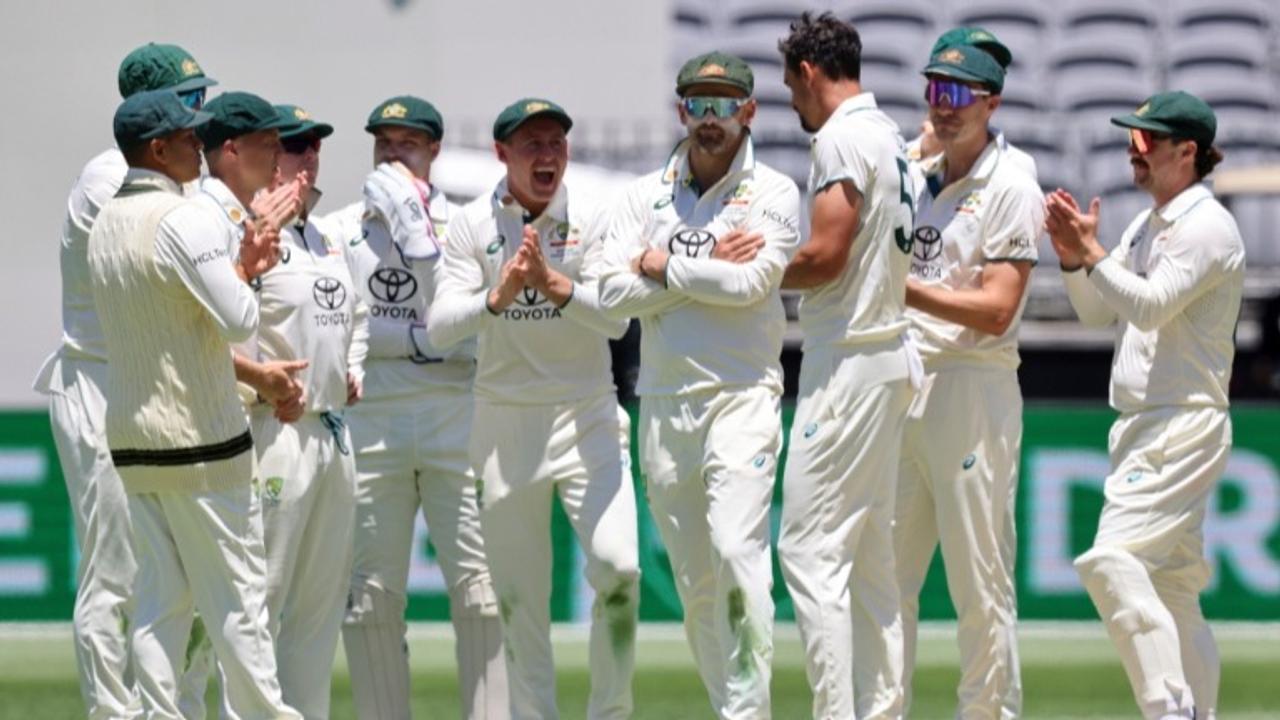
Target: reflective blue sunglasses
x=721 y=107
x=193 y=99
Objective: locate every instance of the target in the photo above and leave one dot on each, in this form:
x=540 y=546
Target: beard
x=713 y=135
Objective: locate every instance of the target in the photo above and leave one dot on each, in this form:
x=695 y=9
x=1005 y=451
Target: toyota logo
x=928 y=243
x=529 y=297
x=329 y=293
x=392 y=285
x=690 y=243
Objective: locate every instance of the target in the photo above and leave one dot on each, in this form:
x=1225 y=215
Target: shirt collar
x=219 y=191
x=505 y=202
x=1183 y=202
x=143 y=178
x=850 y=105
x=679 y=172
x=982 y=168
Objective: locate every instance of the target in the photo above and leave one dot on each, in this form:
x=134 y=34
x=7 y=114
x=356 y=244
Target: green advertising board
x=1064 y=462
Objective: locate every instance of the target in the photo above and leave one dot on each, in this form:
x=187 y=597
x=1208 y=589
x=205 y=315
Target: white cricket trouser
x=710 y=462
x=307 y=477
x=104 y=577
x=957 y=484
x=203 y=551
x=1147 y=567
x=412 y=454
x=525 y=455
x=836 y=544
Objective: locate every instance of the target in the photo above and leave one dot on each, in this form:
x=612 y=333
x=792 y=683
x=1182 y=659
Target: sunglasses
x=1144 y=141
x=721 y=107
x=301 y=144
x=193 y=99
x=956 y=94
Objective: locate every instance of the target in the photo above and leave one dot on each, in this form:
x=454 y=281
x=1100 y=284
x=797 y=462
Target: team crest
x=952 y=56
x=712 y=70
x=1140 y=112
x=189 y=68
x=970 y=204
x=301 y=114
x=394 y=111
x=535 y=107
x=236 y=215
x=272 y=489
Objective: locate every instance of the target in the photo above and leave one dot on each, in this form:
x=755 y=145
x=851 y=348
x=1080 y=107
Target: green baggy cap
x=152 y=114
x=966 y=62
x=980 y=38
x=305 y=124
x=407 y=111
x=716 y=68
x=154 y=66
x=524 y=110
x=240 y=113
x=1175 y=113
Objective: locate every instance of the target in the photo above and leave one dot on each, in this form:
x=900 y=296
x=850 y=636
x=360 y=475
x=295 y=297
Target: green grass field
x=1069 y=671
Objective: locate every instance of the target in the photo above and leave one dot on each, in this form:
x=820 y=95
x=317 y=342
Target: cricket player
x=308 y=310
x=696 y=251
x=409 y=433
x=170 y=300
x=978 y=217
x=520 y=272
x=73 y=378
x=928 y=144
x=242 y=150
x=836 y=544
x=1172 y=286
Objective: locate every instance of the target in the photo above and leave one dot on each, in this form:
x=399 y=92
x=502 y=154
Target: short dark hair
x=1207 y=156
x=826 y=41
x=136 y=153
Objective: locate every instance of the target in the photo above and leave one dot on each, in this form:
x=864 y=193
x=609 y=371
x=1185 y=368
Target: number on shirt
x=902 y=233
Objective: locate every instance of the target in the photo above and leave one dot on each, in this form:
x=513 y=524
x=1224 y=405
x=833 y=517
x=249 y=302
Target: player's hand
x=391 y=192
x=511 y=282
x=290 y=409
x=1074 y=234
x=276 y=207
x=555 y=285
x=738 y=246
x=277 y=380
x=259 y=251
x=652 y=263
x=355 y=390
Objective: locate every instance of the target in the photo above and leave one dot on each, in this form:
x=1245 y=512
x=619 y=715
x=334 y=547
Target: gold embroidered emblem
x=394 y=110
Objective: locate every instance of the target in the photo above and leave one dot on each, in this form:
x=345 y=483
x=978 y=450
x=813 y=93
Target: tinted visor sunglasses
x=953 y=93
x=1144 y=141
x=722 y=107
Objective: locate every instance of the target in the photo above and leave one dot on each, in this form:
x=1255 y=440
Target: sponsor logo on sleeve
x=787 y=222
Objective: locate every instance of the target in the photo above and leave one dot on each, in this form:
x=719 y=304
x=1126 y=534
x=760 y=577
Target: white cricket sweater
x=170 y=303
